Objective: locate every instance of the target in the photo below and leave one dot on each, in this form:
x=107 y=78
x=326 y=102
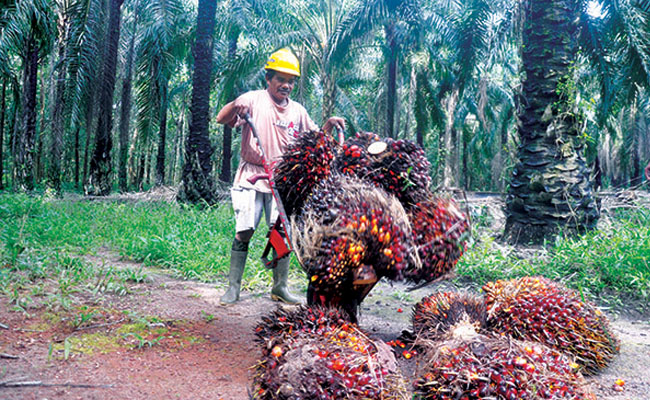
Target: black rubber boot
x=280 y=291
x=237 y=264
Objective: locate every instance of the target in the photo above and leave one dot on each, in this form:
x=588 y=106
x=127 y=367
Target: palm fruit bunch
x=440 y=232
x=435 y=315
x=398 y=166
x=538 y=309
x=352 y=158
x=469 y=365
x=350 y=235
x=313 y=353
x=306 y=161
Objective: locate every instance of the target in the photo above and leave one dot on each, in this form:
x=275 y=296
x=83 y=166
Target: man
x=277 y=119
x=647 y=171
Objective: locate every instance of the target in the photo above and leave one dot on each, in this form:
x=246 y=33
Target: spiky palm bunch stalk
x=435 y=315
x=398 y=166
x=538 y=309
x=440 y=232
x=469 y=365
x=305 y=162
x=349 y=236
x=313 y=353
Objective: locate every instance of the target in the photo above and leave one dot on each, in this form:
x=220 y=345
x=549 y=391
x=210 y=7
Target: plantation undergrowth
x=42 y=241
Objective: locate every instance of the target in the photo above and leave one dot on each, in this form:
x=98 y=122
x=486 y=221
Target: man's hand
x=230 y=112
x=337 y=123
x=240 y=109
x=647 y=171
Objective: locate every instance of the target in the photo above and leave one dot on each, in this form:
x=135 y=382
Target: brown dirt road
x=170 y=339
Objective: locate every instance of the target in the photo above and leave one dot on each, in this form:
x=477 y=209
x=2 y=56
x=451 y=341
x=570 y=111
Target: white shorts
x=249 y=204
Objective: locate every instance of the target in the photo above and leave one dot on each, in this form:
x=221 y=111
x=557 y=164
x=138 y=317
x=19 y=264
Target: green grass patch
x=41 y=241
x=610 y=264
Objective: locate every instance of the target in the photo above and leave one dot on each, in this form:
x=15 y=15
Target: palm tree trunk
x=198 y=182
x=90 y=116
x=329 y=95
x=420 y=108
x=58 y=122
x=125 y=111
x=100 y=163
x=162 y=136
x=226 y=173
x=26 y=137
x=391 y=86
x=550 y=188
x=3 y=104
x=449 y=103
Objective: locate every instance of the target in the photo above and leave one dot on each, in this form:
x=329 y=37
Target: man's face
x=280 y=86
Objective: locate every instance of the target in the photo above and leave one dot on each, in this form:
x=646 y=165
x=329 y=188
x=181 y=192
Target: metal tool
x=277 y=241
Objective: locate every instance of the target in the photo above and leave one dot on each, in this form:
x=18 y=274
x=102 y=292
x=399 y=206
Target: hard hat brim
x=285 y=70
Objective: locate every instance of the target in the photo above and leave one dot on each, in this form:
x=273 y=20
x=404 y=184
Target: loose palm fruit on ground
x=305 y=162
x=313 y=353
x=469 y=365
x=440 y=231
x=538 y=309
x=435 y=315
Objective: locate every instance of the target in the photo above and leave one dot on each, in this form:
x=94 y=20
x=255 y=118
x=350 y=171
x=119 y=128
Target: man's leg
x=247 y=217
x=238 y=255
x=280 y=290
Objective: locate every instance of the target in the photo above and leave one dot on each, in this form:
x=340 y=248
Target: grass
x=610 y=265
x=42 y=241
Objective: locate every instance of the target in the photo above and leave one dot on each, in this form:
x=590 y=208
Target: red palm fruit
x=400 y=167
x=316 y=362
x=467 y=365
x=538 y=309
x=349 y=236
x=440 y=231
x=436 y=314
x=306 y=161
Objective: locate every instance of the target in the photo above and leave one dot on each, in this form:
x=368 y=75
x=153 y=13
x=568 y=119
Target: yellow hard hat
x=283 y=60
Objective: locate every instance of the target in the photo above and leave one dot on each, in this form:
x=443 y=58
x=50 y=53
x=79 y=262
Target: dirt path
x=170 y=339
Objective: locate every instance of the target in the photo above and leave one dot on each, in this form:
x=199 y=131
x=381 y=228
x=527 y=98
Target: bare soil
x=193 y=348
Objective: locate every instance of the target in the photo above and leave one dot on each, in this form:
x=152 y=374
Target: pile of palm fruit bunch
x=305 y=162
x=434 y=315
x=400 y=167
x=461 y=360
x=538 y=309
x=440 y=231
x=313 y=353
x=349 y=236
x=470 y=365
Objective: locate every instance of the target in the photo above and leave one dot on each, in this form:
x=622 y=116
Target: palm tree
x=125 y=104
x=100 y=164
x=197 y=182
x=550 y=189
x=28 y=33
x=71 y=18
x=3 y=105
x=316 y=24
x=160 y=52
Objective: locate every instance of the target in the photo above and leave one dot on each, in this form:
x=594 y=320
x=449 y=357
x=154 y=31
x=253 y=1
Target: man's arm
x=647 y=171
x=229 y=113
